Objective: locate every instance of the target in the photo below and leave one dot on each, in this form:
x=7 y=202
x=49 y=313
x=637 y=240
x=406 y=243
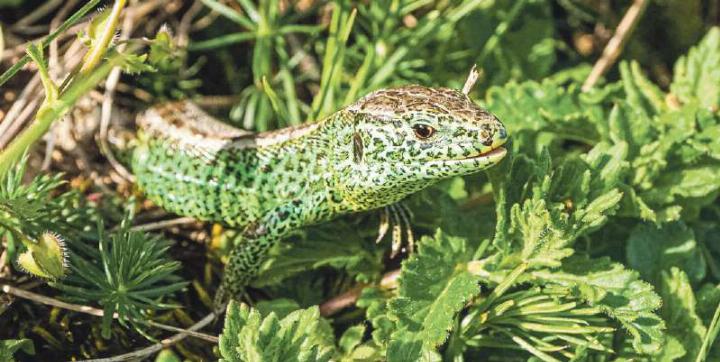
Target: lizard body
x=370 y=154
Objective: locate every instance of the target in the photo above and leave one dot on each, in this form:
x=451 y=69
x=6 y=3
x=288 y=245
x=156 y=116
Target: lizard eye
x=423 y=131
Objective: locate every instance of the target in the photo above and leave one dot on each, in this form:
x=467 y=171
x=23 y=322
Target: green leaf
x=542 y=321
x=543 y=234
x=376 y=311
x=298 y=337
x=434 y=285
x=617 y=292
x=672 y=350
x=644 y=98
x=708 y=298
x=678 y=311
x=135 y=64
x=551 y=208
x=531 y=107
x=697 y=75
x=167 y=355
x=280 y=306
x=407 y=346
x=9 y=347
x=321 y=248
x=652 y=249
x=351 y=338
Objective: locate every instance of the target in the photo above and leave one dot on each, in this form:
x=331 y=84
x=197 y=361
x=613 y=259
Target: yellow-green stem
x=99 y=48
x=51 y=111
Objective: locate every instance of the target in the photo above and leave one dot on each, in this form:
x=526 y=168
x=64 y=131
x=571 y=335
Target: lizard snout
x=500 y=136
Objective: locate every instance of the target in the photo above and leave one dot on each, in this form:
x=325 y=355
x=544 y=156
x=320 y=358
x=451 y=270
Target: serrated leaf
x=406 y=346
x=544 y=235
x=690 y=182
x=434 y=285
x=375 y=303
x=247 y=336
x=351 y=338
x=617 y=292
x=531 y=107
x=643 y=97
x=697 y=75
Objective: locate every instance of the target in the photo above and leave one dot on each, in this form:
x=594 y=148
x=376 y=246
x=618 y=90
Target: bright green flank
x=370 y=154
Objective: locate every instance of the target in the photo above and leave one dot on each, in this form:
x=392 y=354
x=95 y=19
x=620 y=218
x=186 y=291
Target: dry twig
x=349 y=298
x=163 y=224
x=616 y=44
x=54 y=67
x=107 y=103
x=135 y=355
x=21 y=293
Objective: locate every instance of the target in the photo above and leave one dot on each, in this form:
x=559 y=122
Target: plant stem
x=49 y=112
x=710 y=337
x=101 y=44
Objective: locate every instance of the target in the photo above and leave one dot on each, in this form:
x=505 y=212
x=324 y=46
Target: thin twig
x=471 y=80
x=191 y=333
x=107 y=104
x=183 y=33
x=2 y=42
x=26 y=96
x=54 y=67
x=16 y=125
x=21 y=293
x=163 y=224
x=158 y=346
x=616 y=44
x=308 y=64
x=342 y=301
x=29 y=99
x=9 y=289
x=350 y=297
x=216 y=101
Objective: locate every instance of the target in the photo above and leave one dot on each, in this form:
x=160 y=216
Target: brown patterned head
x=408 y=137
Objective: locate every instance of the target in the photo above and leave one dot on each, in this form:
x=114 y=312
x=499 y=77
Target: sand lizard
x=372 y=153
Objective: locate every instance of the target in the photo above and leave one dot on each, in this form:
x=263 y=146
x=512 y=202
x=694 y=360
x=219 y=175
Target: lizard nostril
x=502 y=133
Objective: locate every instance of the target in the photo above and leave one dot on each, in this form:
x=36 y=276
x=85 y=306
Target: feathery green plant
x=127 y=275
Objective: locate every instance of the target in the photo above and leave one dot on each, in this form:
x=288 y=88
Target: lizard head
x=407 y=138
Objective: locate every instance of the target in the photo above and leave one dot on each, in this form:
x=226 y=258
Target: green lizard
x=370 y=154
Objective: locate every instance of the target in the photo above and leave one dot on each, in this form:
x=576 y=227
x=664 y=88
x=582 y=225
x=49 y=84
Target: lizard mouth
x=490 y=157
x=494 y=155
x=498 y=152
